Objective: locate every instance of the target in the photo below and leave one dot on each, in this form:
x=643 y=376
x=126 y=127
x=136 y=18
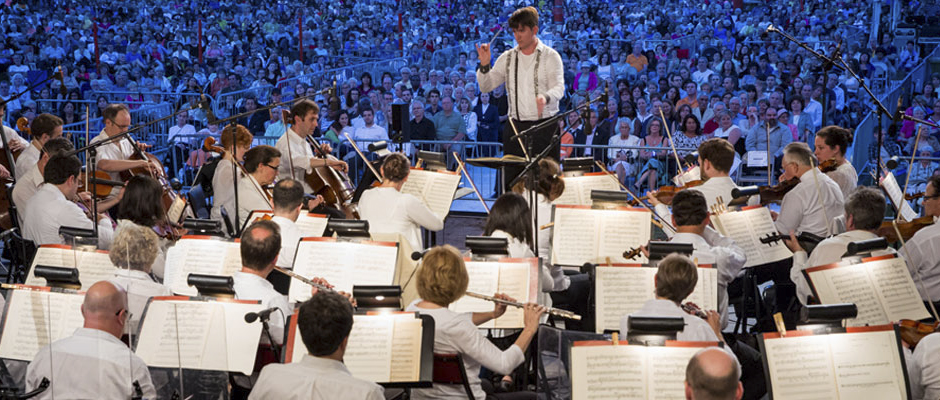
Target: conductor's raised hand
x=483 y=53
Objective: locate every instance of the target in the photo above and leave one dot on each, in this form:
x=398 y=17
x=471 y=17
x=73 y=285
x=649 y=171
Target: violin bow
x=638 y=200
x=472 y=185
x=671 y=143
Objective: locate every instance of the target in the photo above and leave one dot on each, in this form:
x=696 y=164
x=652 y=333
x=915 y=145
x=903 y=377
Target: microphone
x=418 y=254
x=205 y=105
x=375 y=146
x=60 y=76
x=745 y=191
x=252 y=316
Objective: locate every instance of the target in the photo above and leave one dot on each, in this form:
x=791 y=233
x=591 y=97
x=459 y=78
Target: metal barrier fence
x=140 y=116
x=863 y=151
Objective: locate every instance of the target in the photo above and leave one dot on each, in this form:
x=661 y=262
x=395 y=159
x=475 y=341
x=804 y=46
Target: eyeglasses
x=274 y=167
x=936 y=196
x=119 y=125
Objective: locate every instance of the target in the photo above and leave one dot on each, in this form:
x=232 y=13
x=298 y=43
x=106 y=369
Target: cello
x=173 y=204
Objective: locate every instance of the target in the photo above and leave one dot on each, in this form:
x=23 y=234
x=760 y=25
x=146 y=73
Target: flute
x=299 y=277
x=553 y=311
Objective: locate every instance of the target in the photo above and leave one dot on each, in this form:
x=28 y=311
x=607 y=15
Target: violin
x=828 y=165
x=913 y=196
x=805 y=237
x=693 y=309
x=633 y=253
x=913 y=331
x=907 y=228
x=770 y=194
x=665 y=193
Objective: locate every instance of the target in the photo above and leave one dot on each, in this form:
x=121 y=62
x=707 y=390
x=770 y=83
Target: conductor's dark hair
x=60 y=167
x=867 y=208
x=526 y=16
x=260 y=244
x=57 y=145
x=111 y=111
x=510 y=214
x=836 y=136
x=396 y=167
x=302 y=108
x=288 y=194
x=719 y=152
x=689 y=208
x=258 y=155
x=325 y=321
x=141 y=201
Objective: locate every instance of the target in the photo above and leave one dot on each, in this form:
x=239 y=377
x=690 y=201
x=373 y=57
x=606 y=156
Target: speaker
x=401 y=117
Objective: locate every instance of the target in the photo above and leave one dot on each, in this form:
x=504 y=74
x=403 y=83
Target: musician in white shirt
x=325 y=322
x=114 y=157
x=93 y=363
x=831 y=143
x=922 y=251
x=53 y=206
x=441 y=280
x=676 y=277
x=864 y=213
x=388 y=210
x=691 y=221
x=288 y=200
x=259 y=247
x=924 y=368
x=133 y=253
x=43 y=128
x=815 y=203
x=261 y=163
x=299 y=156
x=223 y=184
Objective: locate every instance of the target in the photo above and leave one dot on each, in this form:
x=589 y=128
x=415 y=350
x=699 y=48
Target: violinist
x=261 y=163
x=141 y=206
x=864 y=212
x=831 y=143
x=922 y=251
x=53 y=206
x=814 y=204
x=236 y=140
x=43 y=128
x=288 y=199
x=303 y=117
x=924 y=368
x=115 y=157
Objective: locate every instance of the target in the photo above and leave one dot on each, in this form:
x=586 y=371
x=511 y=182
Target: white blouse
x=391 y=211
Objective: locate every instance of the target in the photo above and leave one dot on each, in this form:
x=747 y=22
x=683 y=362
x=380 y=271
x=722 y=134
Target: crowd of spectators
x=710 y=68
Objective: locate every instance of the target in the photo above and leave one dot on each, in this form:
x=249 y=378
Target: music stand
x=828 y=318
x=577 y=166
x=653 y=331
x=212 y=285
x=487 y=248
x=433 y=161
x=204 y=226
x=348 y=229
x=609 y=199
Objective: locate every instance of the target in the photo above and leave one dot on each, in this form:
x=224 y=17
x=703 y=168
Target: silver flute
x=553 y=311
x=301 y=278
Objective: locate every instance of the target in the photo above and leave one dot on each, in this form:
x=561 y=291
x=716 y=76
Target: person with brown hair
x=235 y=141
x=299 y=157
x=831 y=144
x=441 y=280
x=388 y=210
x=43 y=128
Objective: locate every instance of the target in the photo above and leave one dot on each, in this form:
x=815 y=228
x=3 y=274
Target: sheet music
x=176 y=333
x=93 y=266
x=311 y=224
x=343 y=264
x=693 y=174
x=896 y=289
x=33 y=319
x=199 y=255
x=578 y=188
x=369 y=351
x=890 y=184
x=746 y=227
x=605 y=371
x=620 y=291
x=406 y=349
x=585 y=235
x=434 y=188
x=832 y=367
x=513 y=277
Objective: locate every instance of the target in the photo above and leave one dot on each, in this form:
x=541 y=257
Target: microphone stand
x=267 y=331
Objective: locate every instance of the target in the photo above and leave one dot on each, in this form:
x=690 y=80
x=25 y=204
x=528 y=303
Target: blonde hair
x=134 y=247
x=442 y=276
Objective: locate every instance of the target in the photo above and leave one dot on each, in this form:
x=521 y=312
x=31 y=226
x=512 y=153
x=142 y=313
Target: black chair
x=197 y=199
x=449 y=370
x=20 y=252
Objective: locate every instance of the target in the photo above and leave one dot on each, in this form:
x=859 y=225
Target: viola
x=913 y=331
x=101 y=182
x=665 y=193
x=828 y=165
x=907 y=228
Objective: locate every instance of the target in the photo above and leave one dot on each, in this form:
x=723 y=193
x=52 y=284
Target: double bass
x=335 y=186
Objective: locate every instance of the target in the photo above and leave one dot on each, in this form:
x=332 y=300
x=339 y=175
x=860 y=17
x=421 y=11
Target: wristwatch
x=483 y=68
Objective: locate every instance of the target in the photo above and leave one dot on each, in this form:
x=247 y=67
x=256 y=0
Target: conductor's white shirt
x=313 y=378
x=90 y=364
x=923 y=260
x=48 y=210
x=253 y=287
x=551 y=81
x=391 y=211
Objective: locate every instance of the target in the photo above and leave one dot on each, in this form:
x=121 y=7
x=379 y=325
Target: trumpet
x=299 y=277
x=553 y=311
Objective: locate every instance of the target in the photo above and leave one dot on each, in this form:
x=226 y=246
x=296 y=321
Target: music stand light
x=827 y=318
x=433 y=161
x=486 y=247
x=203 y=226
x=212 y=285
x=378 y=298
x=58 y=277
x=348 y=228
x=653 y=331
x=577 y=166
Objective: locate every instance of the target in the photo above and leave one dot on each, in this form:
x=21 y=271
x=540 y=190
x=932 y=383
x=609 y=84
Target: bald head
x=713 y=374
x=103 y=306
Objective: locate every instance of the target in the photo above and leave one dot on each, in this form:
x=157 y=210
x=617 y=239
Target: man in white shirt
x=924 y=368
x=831 y=143
x=922 y=251
x=369 y=132
x=43 y=128
x=29 y=183
x=299 y=156
x=182 y=129
x=864 y=213
x=813 y=107
x=114 y=157
x=93 y=363
x=53 y=206
x=690 y=217
x=325 y=322
x=261 y=163
x=534 y=76
x=676 y=277
x=260 y=245
x=814 y=204
x=713 y=374
x=288 y=201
